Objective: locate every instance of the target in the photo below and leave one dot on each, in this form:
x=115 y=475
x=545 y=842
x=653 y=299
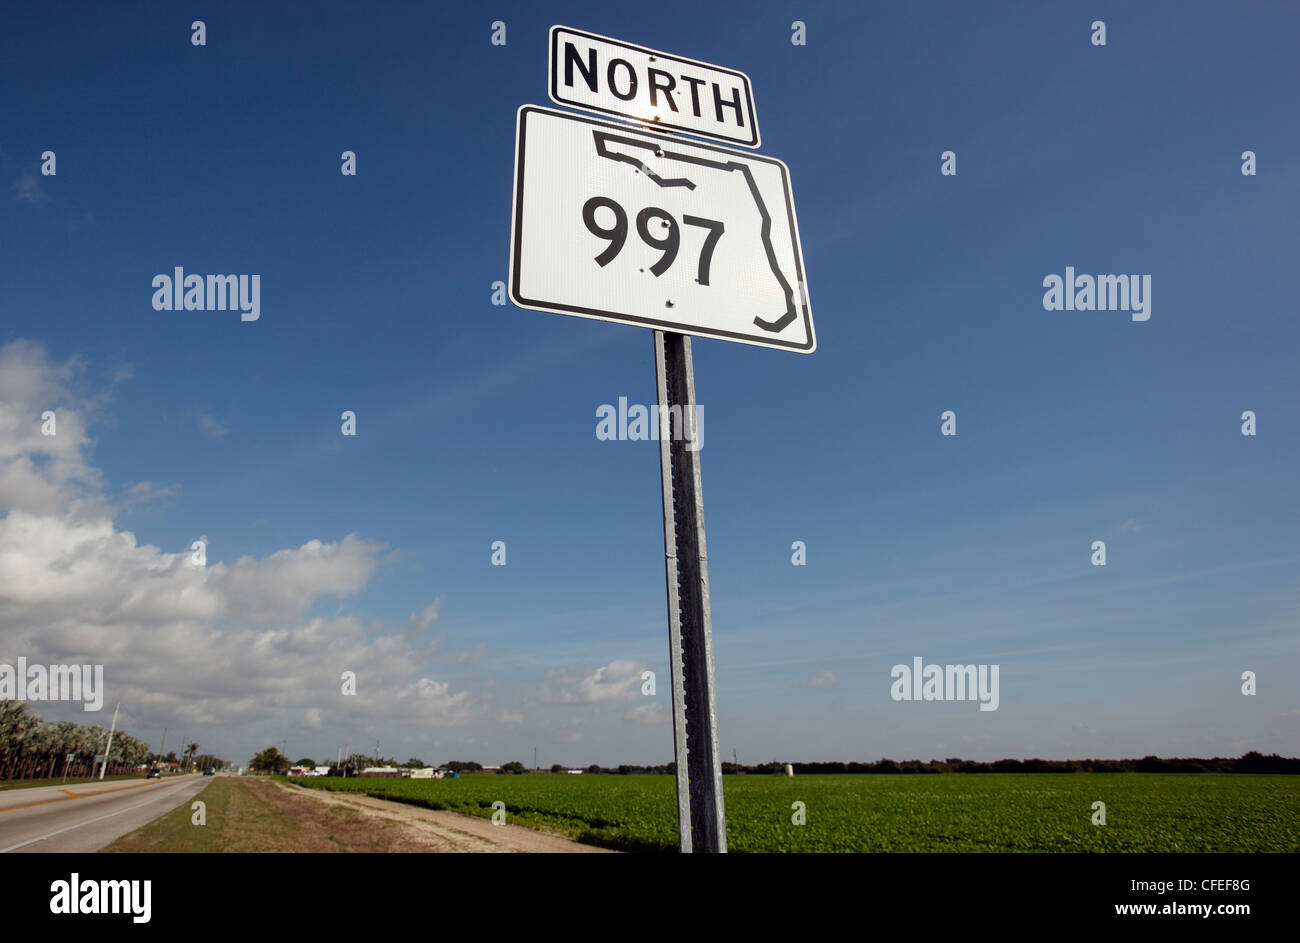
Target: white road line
x=31 y=841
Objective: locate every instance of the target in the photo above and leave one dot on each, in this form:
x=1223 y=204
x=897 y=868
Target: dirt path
x=442 y=831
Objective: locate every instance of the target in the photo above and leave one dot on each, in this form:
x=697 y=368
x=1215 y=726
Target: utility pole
x=162 y=749
x=534 y=757
x=103 y=766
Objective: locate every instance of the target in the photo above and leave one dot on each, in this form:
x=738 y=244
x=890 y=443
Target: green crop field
x=1145 y=812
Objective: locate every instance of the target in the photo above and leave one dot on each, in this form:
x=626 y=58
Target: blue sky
x=477 y=422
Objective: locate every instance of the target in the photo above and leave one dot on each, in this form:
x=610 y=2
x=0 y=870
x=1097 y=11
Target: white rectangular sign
x=606 y=75
x=622 y=225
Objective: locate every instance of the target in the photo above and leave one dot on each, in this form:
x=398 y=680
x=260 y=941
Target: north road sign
x=596 y=73
x=644 y=229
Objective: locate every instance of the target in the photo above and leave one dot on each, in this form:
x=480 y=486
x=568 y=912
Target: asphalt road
x=88 y=816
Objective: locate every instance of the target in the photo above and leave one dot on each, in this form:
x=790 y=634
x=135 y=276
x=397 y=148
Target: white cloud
x=424 y=618
x=27 y=189
x=474 y=654
x=433 y=703
x=225 y=644
x=142 y=492
x=618 y=681
x=213 y=427
x=45 y=474
x=647 y=714
x=822 y=679
x=283 y=585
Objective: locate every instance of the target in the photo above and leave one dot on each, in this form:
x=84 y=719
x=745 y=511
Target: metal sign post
x=701 y=818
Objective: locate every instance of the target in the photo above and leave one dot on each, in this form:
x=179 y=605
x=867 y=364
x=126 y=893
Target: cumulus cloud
x=142 y=492
x=474 y=654
x=43 y=437
x=420 y=621
x=822 y=679
x=229 y=643
x=432 y=702
x=213 y=427
x=28 y=189
x=647 y=714
x=617 y=681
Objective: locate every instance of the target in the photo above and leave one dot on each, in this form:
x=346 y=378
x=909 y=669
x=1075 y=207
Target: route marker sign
x=596 y=73
x=622 y=225
x=642 y=227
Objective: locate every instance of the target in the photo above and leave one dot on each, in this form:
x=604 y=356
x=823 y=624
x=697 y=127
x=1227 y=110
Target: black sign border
x=532 y=304
x=553 y=87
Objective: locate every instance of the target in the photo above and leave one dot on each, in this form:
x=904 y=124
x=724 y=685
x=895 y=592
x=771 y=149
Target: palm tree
x=30 y=747
x=15 y=719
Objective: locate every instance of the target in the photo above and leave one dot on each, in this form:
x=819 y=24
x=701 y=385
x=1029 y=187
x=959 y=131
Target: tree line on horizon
x=33 y=748
x=1252 y=762
x=270 y=760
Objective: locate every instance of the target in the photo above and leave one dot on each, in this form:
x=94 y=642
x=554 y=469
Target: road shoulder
x=247 y=814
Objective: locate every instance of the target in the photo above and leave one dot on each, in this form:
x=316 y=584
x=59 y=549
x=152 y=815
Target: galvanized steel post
x=701 y=818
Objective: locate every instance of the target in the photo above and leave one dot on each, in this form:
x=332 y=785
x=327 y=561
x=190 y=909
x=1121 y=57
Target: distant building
x=574 y=772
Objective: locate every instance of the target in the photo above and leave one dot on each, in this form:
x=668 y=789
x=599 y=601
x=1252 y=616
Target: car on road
x=209 y=772
x=154 y=773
